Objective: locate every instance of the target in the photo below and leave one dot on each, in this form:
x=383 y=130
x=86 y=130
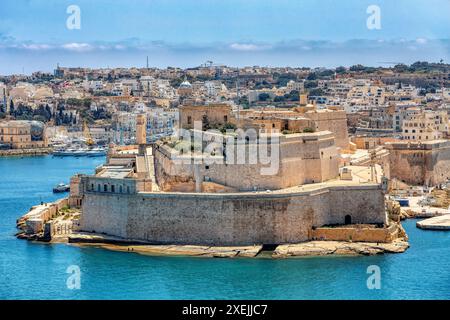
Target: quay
x=436 y=223
x=25 y=152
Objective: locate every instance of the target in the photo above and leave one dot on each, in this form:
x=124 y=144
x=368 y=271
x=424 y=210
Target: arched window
x=98 y=188
x=105 y=188
x=120 y=189
x=113 y=188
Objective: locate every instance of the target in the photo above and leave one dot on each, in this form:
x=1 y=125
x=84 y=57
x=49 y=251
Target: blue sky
x=34 y=36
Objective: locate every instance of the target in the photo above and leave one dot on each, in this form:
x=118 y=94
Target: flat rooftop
x=114 y=173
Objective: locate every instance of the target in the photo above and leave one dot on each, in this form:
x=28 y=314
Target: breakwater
x=25 y=152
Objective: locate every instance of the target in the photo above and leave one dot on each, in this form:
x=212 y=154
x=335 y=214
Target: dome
x=186 y=84
x=37 y=130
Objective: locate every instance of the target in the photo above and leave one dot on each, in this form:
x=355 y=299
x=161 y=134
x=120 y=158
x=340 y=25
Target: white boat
x=96 y=152
x=80 y=152
x=62 y=187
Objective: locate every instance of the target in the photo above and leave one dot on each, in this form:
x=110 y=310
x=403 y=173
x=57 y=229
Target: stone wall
x=231 y=218
x=334 y=121
x=301 y=158
x=425 y=163
x=36 y=218
x=25 y=152
x=365 y=234
x=214 y=114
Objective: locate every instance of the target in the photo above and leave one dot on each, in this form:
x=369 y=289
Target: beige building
x=425 y=126
x=305 y=118
x=211 y=114
x=20 y=135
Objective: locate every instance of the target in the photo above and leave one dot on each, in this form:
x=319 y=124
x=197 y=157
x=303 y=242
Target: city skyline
x=34 y=35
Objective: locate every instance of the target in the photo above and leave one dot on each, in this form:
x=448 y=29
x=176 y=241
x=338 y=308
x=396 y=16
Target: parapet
x=416 y=145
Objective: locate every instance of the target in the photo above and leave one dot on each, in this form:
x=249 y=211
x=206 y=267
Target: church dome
x=186 y=84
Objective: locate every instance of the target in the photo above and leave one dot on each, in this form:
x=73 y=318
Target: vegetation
x=316 y=92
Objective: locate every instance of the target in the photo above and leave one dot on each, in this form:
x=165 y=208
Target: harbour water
x=38 y=271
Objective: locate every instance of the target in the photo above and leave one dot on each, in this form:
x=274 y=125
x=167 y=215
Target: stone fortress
x=178 y=192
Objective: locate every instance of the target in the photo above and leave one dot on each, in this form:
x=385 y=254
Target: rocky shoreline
x=305 y=249
x=58 y=223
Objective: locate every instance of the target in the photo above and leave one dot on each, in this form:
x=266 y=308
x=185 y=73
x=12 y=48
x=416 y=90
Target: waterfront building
x=22 y=134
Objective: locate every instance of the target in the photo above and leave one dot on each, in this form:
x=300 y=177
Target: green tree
x=264 y=96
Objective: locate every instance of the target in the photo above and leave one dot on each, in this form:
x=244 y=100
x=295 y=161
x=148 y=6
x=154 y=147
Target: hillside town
x=399 y=102
x=363 y=147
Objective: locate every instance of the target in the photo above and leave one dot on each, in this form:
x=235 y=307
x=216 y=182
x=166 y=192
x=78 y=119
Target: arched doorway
x=348 y=219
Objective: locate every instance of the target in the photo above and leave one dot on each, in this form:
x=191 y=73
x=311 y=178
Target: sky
x=186 y=33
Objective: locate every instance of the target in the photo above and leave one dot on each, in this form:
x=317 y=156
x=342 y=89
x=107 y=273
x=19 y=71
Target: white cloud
x=248 y=47
x=79 y=47
x=36 y=47
x=421 y=40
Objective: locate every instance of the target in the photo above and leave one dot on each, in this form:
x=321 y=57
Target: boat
x=67 y=152
x=96 y=152
x=79 y=152
x=62 y=187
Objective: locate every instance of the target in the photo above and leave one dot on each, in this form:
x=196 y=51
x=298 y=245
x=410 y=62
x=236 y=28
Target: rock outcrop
x=322 y=248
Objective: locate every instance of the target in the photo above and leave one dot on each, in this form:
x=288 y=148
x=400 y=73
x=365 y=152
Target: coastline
x=304 y=249
x=25 y=152
x=57 y=222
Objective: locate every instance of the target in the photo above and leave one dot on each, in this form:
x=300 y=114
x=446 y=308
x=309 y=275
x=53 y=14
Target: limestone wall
x=213 y=113
x=300 y=159
x=334 y=121
x=420 y=164
x=366 y=234
x=232 y=218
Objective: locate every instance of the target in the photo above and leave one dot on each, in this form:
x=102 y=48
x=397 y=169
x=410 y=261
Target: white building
x=426 y=125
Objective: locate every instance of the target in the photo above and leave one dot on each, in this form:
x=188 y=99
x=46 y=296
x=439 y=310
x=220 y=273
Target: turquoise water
x=38 y=271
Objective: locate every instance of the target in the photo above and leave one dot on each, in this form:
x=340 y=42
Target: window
x=225 y=118
x=98 y=188
x=128 y=189
x=105 y=188
x=113 y=188
x=92 y=187
x=189 y=120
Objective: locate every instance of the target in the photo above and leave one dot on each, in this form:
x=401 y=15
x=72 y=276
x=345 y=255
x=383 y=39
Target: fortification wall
x=419 y=164
x=335 y=121
x=230 y=219
x=300 y=159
